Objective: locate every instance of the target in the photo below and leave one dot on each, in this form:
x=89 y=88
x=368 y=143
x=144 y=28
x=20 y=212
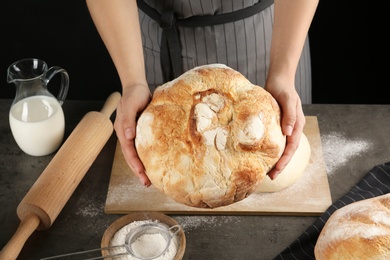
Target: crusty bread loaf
x=209 y=137
x=360 y=230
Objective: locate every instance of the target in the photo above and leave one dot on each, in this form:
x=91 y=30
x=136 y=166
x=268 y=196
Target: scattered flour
x=90 y=210
x=338 y=149
x=140 y=246
x=189 y=223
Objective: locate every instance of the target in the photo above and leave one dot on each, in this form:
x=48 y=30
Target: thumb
x=125 y=120
x=288 y=120
x=129 y=122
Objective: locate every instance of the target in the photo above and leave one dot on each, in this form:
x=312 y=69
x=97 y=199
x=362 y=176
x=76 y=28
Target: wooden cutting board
x=310 y=195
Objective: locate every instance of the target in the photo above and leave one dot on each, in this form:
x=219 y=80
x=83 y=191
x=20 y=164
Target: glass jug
x=36 y=117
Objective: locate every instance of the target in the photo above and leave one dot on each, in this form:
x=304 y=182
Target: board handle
x=111 y=104
x=26 y=227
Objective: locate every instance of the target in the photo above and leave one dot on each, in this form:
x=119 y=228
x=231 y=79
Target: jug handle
x=64 y=81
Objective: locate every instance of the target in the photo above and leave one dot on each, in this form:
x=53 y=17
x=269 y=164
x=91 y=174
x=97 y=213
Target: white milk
x=37 y=124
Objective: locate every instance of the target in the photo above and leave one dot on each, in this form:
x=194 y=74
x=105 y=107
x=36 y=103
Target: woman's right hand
x=134 y=100
x=118 y=25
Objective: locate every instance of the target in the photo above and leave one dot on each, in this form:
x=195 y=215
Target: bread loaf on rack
x=360 y=230
x=209 y=137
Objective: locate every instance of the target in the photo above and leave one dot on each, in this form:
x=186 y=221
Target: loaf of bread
x=209 y=137
x=360 y=230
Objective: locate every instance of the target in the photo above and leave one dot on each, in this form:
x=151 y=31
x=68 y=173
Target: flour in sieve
x=120 y=237
x=157 y=242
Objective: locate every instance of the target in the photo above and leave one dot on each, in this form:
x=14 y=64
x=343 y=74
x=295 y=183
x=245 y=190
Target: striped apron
x=178 y=35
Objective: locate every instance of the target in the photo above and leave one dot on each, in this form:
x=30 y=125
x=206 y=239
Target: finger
x=135 y=163
x=288 y=119
x=128 y=118
x=282 y=163
x=128 y=149
x=291 y=146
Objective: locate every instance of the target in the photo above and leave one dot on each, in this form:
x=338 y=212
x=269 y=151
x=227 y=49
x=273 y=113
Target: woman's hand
x=293 y=121
x=291 y=25
x=134 y=100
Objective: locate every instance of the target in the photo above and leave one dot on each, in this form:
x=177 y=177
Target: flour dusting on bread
x=360 y=230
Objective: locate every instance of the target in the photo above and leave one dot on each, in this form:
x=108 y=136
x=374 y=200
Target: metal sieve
x=141 y=235
x=136 y=235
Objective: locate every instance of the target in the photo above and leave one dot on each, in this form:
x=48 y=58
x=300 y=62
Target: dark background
x=345 y=39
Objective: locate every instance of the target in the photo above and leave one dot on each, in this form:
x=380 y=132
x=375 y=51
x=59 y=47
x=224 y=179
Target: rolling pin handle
x=26 y=227
x=111 y=104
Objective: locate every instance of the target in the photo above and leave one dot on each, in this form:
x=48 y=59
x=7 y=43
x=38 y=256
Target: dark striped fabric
x=243 y=45
x=375 y=183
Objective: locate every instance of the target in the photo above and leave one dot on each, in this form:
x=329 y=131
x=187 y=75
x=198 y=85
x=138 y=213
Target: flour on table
x=189 y=223
x=127 y=186
x=338 y=149
x=90 y=210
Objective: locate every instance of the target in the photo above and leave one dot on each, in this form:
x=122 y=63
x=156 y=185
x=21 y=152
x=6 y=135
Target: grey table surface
x=355 y=138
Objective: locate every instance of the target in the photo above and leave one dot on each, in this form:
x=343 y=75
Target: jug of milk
x=36 y=117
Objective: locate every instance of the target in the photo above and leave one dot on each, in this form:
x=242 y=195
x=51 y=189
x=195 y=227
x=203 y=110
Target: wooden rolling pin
x=49 y=194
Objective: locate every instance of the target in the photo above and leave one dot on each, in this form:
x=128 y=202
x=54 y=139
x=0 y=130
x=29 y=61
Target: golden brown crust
x=208 y=138
x=360 y=230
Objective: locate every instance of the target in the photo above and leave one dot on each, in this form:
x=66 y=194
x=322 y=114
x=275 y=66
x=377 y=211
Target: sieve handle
x=174 y=230
x=89 y=251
